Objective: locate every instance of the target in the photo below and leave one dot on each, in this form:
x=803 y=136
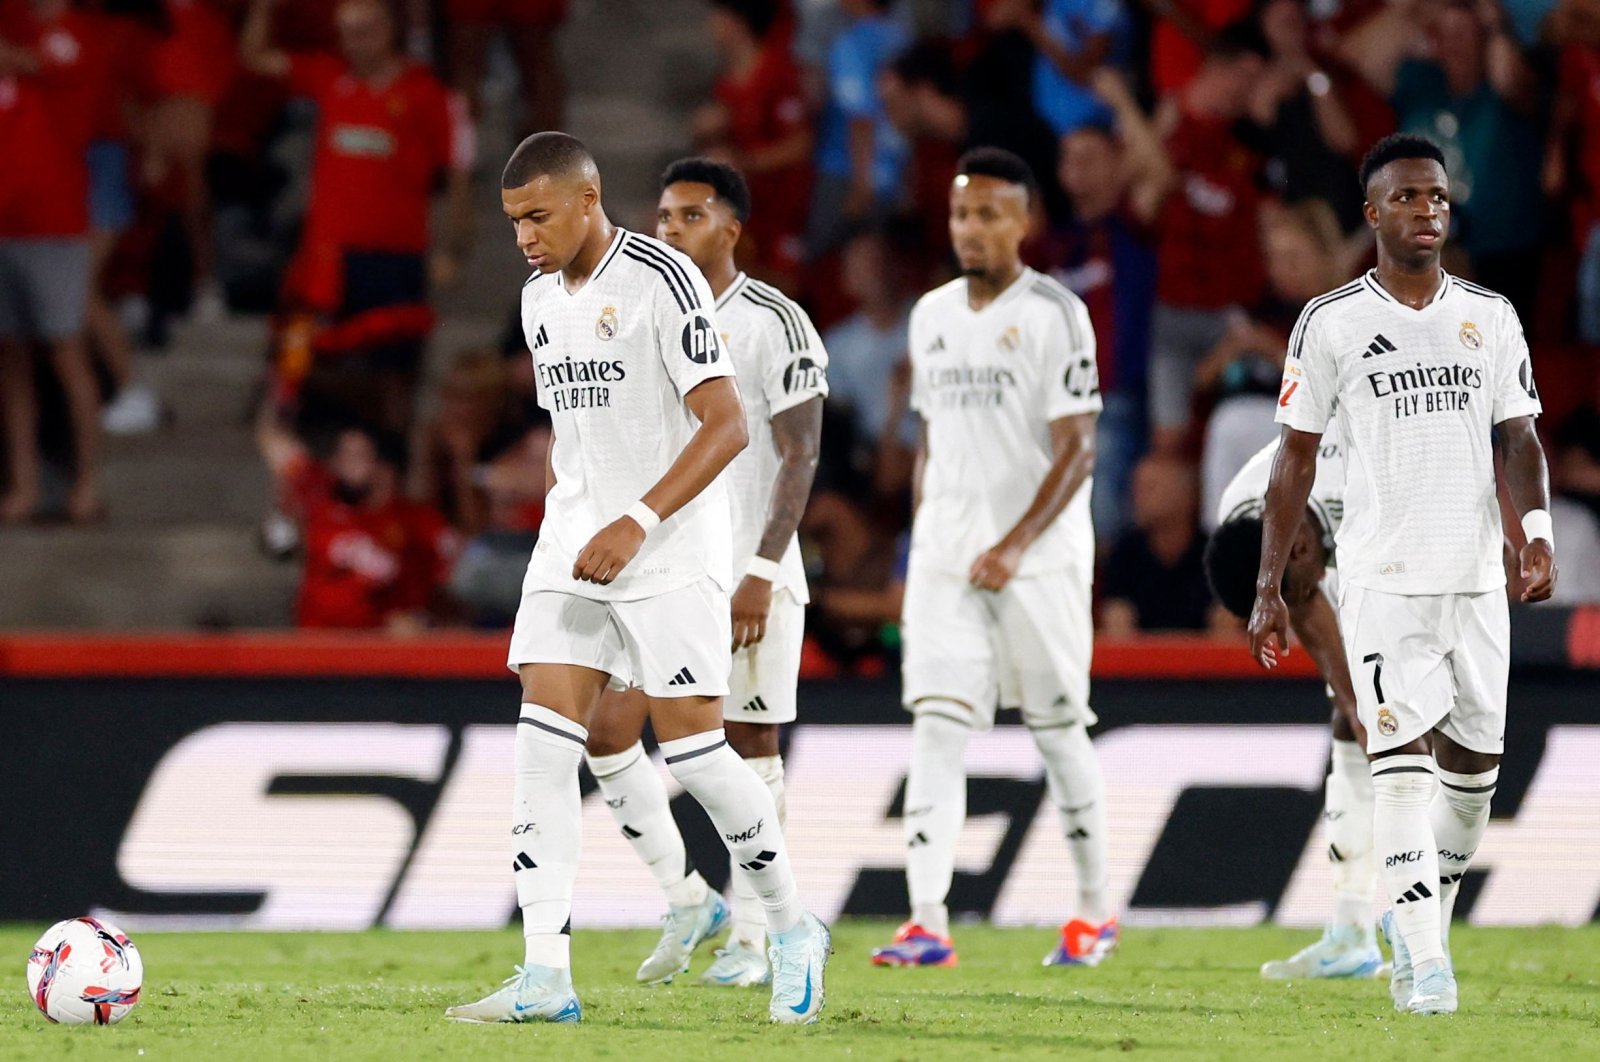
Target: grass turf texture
x=1174 y=993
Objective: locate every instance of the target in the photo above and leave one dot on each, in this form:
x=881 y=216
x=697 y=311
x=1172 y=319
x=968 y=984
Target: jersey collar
x=617 y=241
x=1445 y=284
x=1012 y=290
x=733 y=289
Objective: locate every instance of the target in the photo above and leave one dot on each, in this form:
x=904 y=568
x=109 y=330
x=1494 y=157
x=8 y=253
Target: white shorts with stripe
x=762 y=686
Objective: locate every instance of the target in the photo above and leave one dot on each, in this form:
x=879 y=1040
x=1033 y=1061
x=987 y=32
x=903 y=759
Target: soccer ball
x=84 y=971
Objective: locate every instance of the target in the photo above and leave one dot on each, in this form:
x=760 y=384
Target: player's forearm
x=1293 y=470
x=721 y=436
x=1317 y=628
x=1066 y=477
x=1527 y=474
x=798 y=435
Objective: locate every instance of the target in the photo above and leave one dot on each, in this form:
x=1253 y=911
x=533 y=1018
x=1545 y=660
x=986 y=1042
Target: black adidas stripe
x=639 y=250
x=696 y=752
x=790 y=308
x=1402 y=770
x=1479 y=289
x=1468 y=788
x=1063 y=300
x=554 y=730
x=1297 y=341
x=672 y=286
x=792 y=330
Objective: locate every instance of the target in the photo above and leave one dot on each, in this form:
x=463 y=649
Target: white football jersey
x=1416 y=394
x=988 y=383
x=780 y=363
x=613 y=363
x=1246 y=493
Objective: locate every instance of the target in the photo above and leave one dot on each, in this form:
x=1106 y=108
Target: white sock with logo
x=638 y=801
x=935 y=809
x=1077 y=789
x=1347 y=815
x=749 y=916
x=742 y=810
x=1460 y=814
x=547 y=831
x=1403 y=841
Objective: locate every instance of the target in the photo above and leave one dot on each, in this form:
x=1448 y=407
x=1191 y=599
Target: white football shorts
x=761 y=688
x=676 y=644
x=1027 y=646
x=1421 y=662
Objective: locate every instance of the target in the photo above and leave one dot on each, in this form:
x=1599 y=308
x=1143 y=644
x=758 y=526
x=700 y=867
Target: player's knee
x=609 y=736
x=753 y=741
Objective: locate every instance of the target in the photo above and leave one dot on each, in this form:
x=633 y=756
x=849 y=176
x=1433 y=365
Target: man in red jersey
x=386 y=130
x=531 y=29
x=48 y=107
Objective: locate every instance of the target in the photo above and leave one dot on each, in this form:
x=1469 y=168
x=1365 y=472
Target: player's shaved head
x=550 y=154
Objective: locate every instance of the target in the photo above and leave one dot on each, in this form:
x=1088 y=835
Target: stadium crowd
x=1197 y=161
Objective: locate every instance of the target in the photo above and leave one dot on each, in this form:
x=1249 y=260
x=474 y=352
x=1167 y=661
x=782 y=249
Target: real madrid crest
x=1471 y=338
x=606 y=326
x=1010 y=339
x=1387 y=723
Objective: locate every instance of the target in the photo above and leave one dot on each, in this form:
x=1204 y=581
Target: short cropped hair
x=546 y=154
x=1232 y=560
x=1394 y=147
x=757 y=15
x=1000 y=164
x=725 y=180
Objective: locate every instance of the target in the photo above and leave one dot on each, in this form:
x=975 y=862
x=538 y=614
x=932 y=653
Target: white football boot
x=798 y=965
x=683 y=929
x=535 y=993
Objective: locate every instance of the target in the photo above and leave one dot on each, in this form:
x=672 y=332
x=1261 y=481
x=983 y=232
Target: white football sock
x=1347 y=814
x=638 y=801
x=935 y=809
x=742 y=810
x=1460 y=814
x=1402 y=789
x=749 y=916
x=1072 y=772
x=546 y=831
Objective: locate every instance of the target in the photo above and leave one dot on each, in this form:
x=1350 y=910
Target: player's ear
x=1370 y=212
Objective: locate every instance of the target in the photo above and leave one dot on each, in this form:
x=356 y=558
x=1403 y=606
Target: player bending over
x=1002 y=553
x=1428 y=377
x=1348 y=947
x=781 y=369
x=628 y=584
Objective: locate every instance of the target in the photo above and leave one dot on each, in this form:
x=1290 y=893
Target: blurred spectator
x=1240 y=378
x=759 y=122
x=1318 y=115
x=922 y=98
x=1209 y=256
x=1154 y=579
x=531 y=28
x=1105 y=252
x=1072 y=38
x=1572 y=168
x=51 y=70
x=860 y=156
x=864 y=352
x=373 y=558
x=1181 y=35
x=357 y=293
x=1575 y=506
x=997 y=88
x=193 y=65
x=1465 y=83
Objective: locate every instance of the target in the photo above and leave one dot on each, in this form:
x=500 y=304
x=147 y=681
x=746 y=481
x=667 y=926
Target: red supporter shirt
x=363 y=566
x=199 y=58
x=47 y=119
x=765 y=109
x=1209 y=255
x=1580 y=83
x=1174 y=58
x=380 y=151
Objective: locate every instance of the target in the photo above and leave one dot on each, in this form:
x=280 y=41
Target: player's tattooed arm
x=1528 y=482
x=1293 y=470
x=1072 y=440
x=1317 y=628
x=797 y=435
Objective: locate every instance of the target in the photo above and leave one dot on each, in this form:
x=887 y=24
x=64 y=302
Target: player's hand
x=1269 y=628
x=609 y=551
x=752 y=603
x=995 y=567
x=1538 y=570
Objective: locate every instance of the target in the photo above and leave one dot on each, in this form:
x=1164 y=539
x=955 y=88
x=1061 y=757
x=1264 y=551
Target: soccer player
x=1002 y=552
x=1348 y=947
x=628 y=584
x=781 y=368
x=1429 y=377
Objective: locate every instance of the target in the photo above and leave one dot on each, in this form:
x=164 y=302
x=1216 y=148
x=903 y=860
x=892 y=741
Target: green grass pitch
x=1168 y=994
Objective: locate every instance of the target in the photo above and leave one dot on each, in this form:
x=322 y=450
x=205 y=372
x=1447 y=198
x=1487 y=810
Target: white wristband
x=1536 y=524
x=761 y=568
x=644 y=516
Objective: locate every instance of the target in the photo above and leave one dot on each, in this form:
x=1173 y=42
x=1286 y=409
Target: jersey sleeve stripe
x=1298 y=338
x=1479 y=289
x=787 y=305
x=796 y=343
x=666 y=276
x=666 y=261
x=1064 y=301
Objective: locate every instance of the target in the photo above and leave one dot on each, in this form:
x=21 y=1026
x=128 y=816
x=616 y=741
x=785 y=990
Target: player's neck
x=1413 y=286
x=982 y=289
x=721 y=276
x=578 y=271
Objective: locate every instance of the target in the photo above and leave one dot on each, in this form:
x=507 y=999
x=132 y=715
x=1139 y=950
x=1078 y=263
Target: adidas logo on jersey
x=936 y=346
x=540 y=338
x=682 y=678
x=1379 y=345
